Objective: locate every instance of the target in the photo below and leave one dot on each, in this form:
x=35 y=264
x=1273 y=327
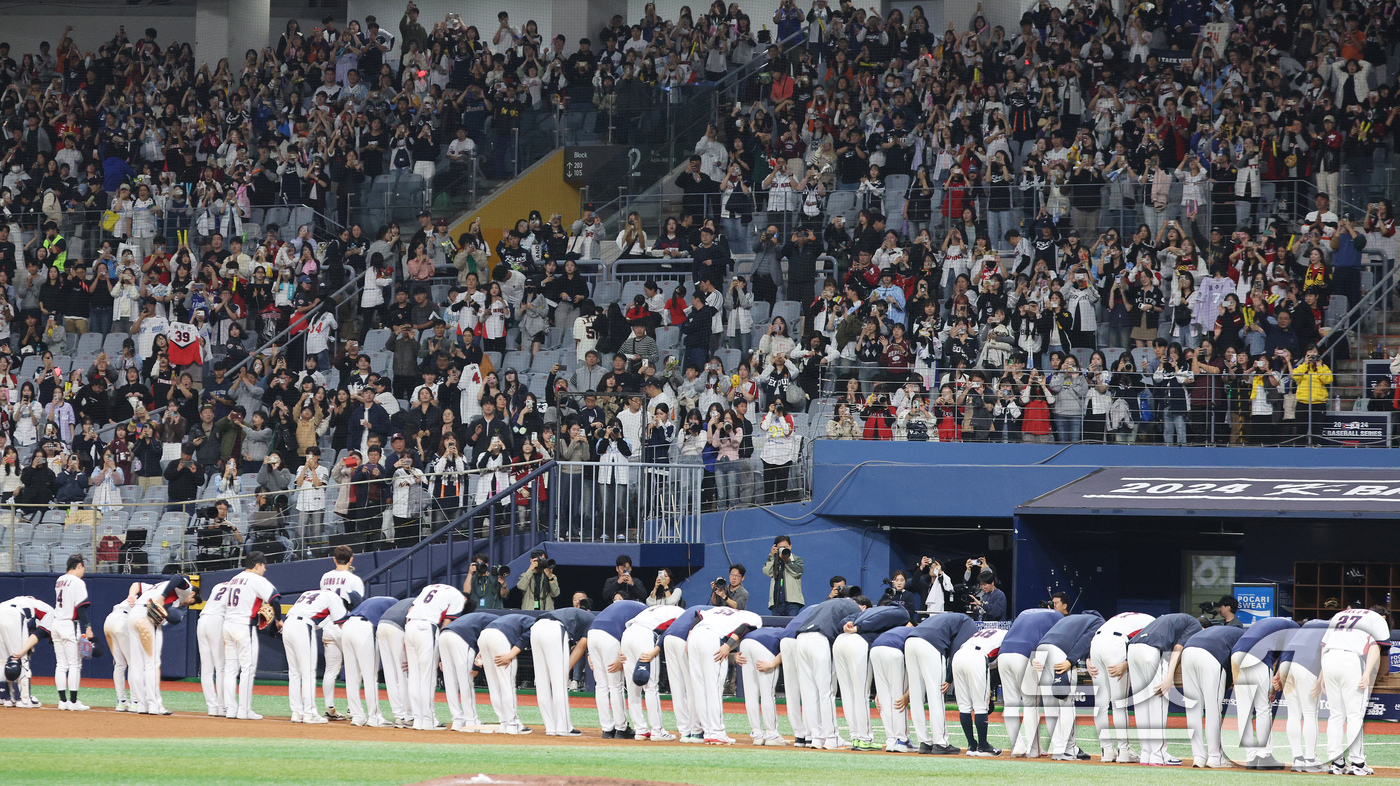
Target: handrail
x=447 y=531
x=1370 y=302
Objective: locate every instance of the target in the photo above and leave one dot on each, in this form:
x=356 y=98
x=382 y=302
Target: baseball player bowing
x=388 y=639
x=850 y=654
x=19 y=617
x=928 y=653
x=209 y=633
x=887 y=666
x=116 y=628
x=499 y=647
x=1108 y=668
x=1204 y=661
x=1053 y=678
x=1024 y=635
x=1300 y=668
x=1153 y=657
x=558 y=640
x=1253 y=664
x=362 y=661
x=814 y=639
x=457 y=648
x=640 y=649
x=248 y=593
x=678 y=675
x=716 y=633
x=972 y=665
x=304 y=624
x=792 y=684
x=152 y=607
x=604 y=651
x=65 y=626
x=758 y=668
x=1351 y=654
x=342 y=581
x=435 y=605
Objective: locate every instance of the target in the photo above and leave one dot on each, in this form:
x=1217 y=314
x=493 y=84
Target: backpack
x=1146 y=414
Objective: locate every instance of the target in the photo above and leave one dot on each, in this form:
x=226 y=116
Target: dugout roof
x=1239 y=492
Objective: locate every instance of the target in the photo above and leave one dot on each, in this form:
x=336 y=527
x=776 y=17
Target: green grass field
x=227 y=760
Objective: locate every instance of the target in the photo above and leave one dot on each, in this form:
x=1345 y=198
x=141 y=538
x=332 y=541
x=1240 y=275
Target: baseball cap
x=425 y=214
x=1329 y=119
x=396 y=436
x=304 y=280
x=642 y=674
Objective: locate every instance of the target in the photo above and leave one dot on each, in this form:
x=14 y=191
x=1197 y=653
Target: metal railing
x=629 y=502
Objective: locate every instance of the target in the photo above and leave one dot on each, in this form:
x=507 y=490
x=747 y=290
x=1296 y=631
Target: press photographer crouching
x=730 y=592
x=216 y=540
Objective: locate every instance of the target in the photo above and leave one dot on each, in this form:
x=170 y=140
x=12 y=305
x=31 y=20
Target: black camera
x=1208 y=607
x=545 y=563
x=720 y=584
x=785 y=553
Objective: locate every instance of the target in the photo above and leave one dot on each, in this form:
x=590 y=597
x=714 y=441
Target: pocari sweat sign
x=1256 y=601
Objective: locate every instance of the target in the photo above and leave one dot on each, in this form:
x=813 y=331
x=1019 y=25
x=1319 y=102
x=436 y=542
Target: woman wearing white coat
x=738 y=318
x=784 y=196
x=614 y=452
x=375 y=281
x=712 y=153
x=778 y=453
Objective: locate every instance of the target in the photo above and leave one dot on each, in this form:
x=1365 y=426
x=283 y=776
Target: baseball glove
x=156 y=613
x=265 y=615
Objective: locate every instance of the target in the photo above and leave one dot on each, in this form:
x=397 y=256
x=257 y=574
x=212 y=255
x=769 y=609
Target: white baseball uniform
x=818 y=680
x=682 y=685
x=1108 y=649
x=760 y=691
x=351 y=589
x=458 y=662
x=972 y=670
x=549 y=652
x=362 y=663
x=116 y=628
x=1203 y=685
x=146 y=638
x=209 y=632
x=1350 y=636
x=792 y=686
x=1012 y=667
x=247 y=592
x=497 y=639
x=850 y=654
x=638 y=638
x=1147 y=666
x=609 y=693
x=707 y=675
x=16 y=616
x=1059 y=709
x=312 y=610
x=70 y=595
x=1300 y=673
x=888 y=668
x=389 y=640
x=434 y=604
x=925 y=671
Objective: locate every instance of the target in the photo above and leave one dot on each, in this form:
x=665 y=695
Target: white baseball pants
x=13 y=633
x=549 y=651
x=925 y=669
x=1110 y=693
x=240 y=665
x=682 y=685
x=361 y=669
x=792 y=685
x=708 y=678
x=851 y=654
x=1012 y=667
x=299 y=642
x=1203 y=686
x=1341 y=673
x=1253 y=709
x=636 y=641
x=334 y=656
x=209 y=632
x=68 y=663
x=500 y=680
x=1147 y=666
x=420 y=652
x=144 y=641
x=115 y=628
x=603 y=649
x=760 y=690
x=388 y=639
x=971 y=681
x=818 y=698
x=887 y=667
x=458 y=661
x=1057 y=700
x=1302 y=711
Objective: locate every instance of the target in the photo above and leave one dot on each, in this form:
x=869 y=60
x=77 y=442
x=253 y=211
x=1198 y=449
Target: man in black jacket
x=489 y=424
x=184 y=477
x=801 y=252
x=710 y=261
x=701 y=191
x=623 y=584
x=696 y=331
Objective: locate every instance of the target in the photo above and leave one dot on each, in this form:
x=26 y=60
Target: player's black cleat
x=625 y=734
x=609 y=734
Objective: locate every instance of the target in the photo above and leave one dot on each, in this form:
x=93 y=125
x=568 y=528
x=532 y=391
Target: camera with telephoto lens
x=483 y=568
x=720 y=584
x=784 y=553
x=889 y=592
x=545 y=563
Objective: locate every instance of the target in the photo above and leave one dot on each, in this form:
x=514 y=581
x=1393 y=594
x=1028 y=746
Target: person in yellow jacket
x=1312 y=377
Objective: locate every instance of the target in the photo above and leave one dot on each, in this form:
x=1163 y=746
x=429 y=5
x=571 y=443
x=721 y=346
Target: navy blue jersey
x=768 y=637
x=874 y=621
x=1218 y=640
x=1168 y=631
x=516 y=627
x=397 y=614
x=470 y=626
x=1029 y=627
x=373 y=609
x=680 y=626
x=947 y=632
x=790 y=630
x=614 y=618
x=1267 y=638
x=1304 y=648
x=575 y=621
x=1073 y=634
x=827 y=617
x=895 y=637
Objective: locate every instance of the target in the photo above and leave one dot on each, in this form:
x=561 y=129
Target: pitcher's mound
x=536 y=780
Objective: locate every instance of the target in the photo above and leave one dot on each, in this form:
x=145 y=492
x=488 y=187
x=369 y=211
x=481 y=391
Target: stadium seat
x=77 y=535
x=90 y=344
x=300 y=216
x=1111 y=354
x=790 y=311
x=112 y=344
x=168 y=534
x=277 y=215
x=762 y=312
x=375 y=340
x=537 y=384
x=35 y=559
x=496 y=360
x=1141 y=357
x=841 y=203
x=145 y=519
x=605 y=292
x=517 y=359
x=730 y=358
x=543 y=361
x=22 y=532
x=668 y=338
x=630 y=290
x=1083 y=355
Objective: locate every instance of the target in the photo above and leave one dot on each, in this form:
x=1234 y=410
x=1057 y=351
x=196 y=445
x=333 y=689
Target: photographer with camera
x=622 y=585
x=987 y=602
x=896 y=591
x=538 y=583
x=785 y=570
x=730 y=593
x=488 y=584
x=933 y=584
